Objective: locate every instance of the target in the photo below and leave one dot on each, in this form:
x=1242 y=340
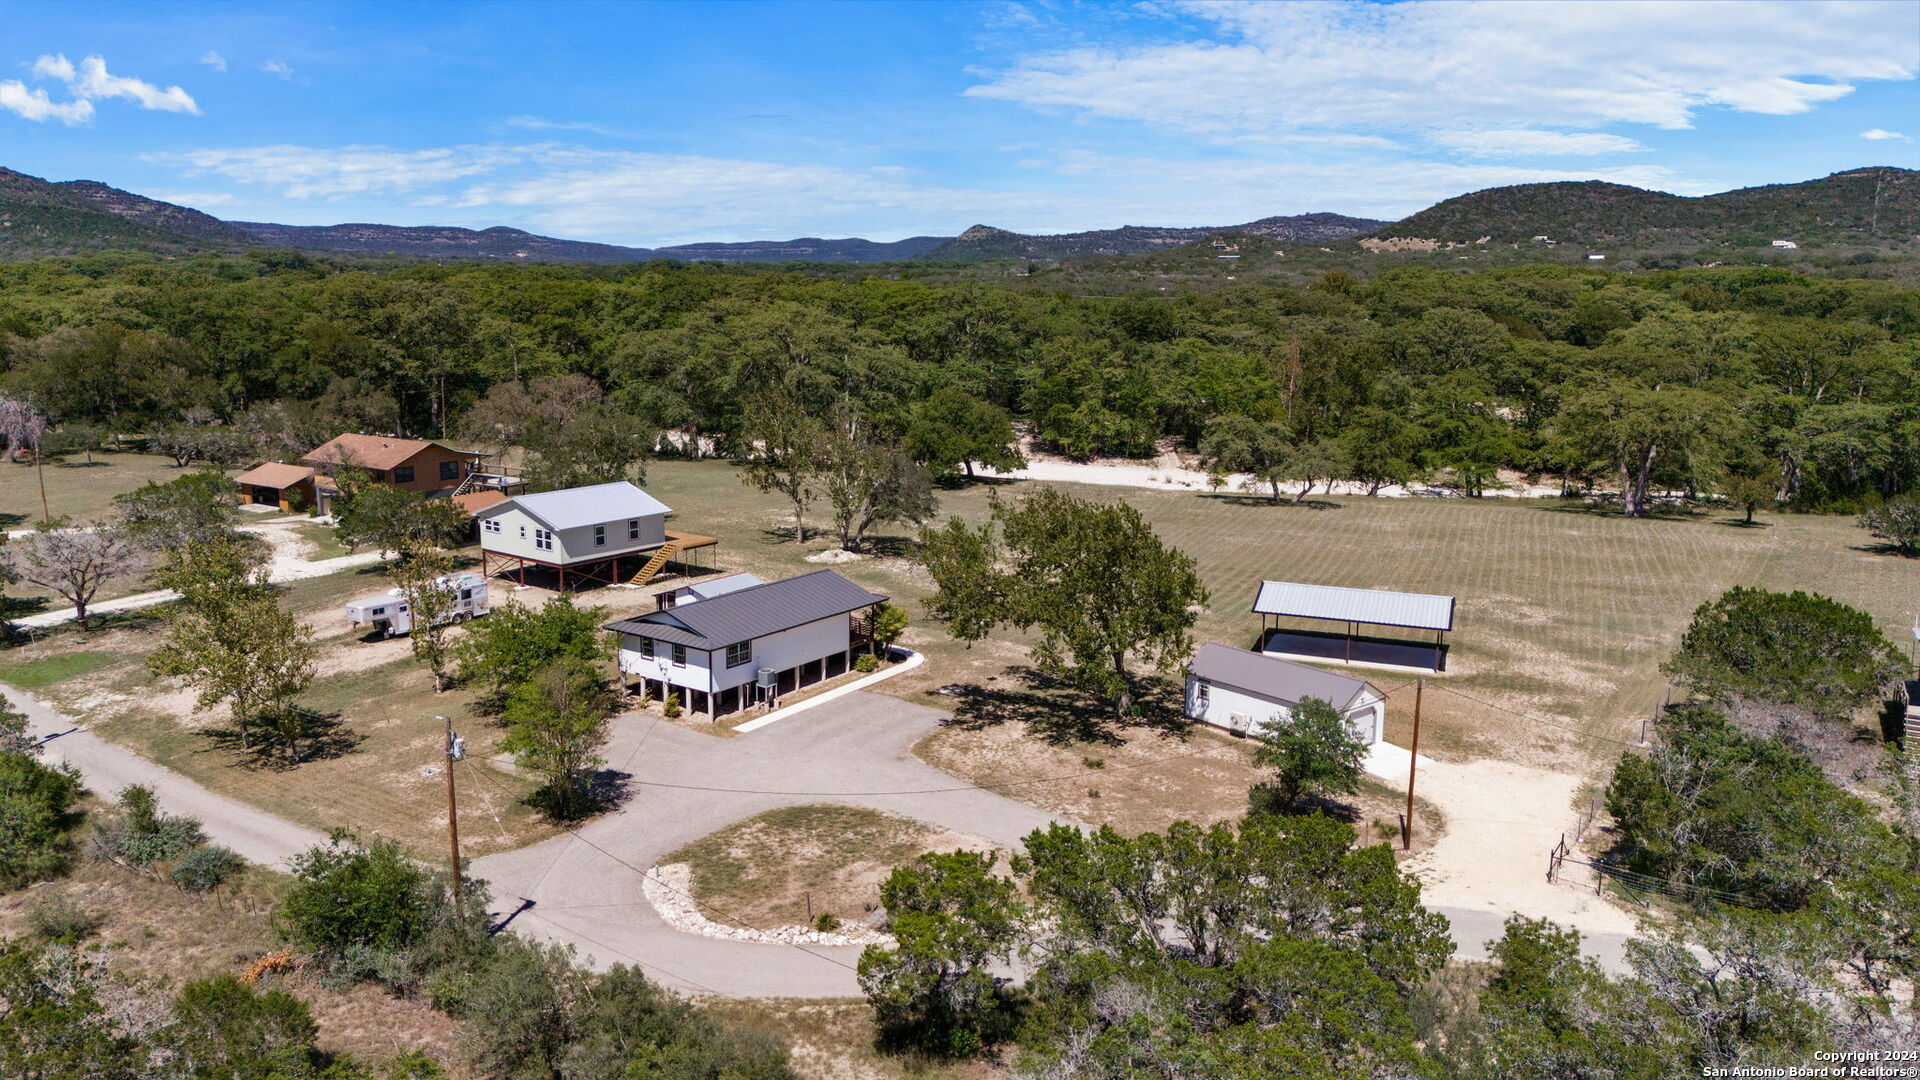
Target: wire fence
x=1565 y=868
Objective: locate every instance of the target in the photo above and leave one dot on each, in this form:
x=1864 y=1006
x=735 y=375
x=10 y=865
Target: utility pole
x=1413 y=764
x=456 y=749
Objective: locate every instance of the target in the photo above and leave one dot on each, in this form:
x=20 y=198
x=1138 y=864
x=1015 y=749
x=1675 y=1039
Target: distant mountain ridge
x=1876 y=204
x=987 y=242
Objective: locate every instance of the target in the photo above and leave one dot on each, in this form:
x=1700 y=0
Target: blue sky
x=672 y=122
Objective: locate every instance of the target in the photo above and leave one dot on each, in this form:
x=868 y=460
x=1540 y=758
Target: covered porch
x=1357 y=627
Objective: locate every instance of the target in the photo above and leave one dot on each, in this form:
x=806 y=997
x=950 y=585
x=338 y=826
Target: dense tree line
x=1698 y=381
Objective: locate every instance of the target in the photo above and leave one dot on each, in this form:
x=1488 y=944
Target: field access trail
x=288 y=562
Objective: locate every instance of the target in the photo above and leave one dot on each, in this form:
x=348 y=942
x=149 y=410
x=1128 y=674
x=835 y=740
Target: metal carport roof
x=1419 y=611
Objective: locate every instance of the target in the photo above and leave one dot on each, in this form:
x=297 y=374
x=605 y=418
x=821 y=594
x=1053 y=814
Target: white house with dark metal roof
x=582 y=531
x=1248 y=692
x=745 y=644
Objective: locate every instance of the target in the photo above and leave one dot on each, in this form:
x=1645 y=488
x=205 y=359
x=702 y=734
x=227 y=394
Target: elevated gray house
x=1248 y=692
x=745 y=644
x=581 y=534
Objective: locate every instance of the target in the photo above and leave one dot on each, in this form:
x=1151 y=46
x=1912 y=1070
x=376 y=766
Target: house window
x=599 y=536
x=646 y=647
x=379 y=476
x=741 y=653
x=449 y=470
x=523 y=532
x=1201 y=693
x=492 y=525
x=403 y=475
x=543 y=539
x=633 y=529
x=679 y=656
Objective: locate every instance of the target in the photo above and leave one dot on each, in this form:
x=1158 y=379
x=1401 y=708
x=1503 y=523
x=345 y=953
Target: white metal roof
x=597 y=504
x=707 y=590
x=1420 y=611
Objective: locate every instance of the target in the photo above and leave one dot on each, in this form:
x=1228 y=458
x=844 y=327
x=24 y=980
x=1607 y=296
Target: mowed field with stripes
x=1564 y=614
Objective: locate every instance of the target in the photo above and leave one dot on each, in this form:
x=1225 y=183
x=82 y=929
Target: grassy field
x=76 y=489
x=323 y=540
x=775 y=868
x=1563 y=619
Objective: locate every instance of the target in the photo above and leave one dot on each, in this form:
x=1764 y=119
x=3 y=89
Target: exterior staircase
x=654 y=565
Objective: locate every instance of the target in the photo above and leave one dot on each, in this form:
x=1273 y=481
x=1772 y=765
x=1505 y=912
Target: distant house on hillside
x=748 y=645
x=582 y=534
x=1785 y=244
x=1596 y=258
x=1248 y=693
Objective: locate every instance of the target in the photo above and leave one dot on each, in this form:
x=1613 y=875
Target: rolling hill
x=1865 y=205
x=985 y=242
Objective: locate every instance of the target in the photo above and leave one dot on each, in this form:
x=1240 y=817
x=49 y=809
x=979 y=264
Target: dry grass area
x=772 y=869
x=168 y=937
x=1564 y=613
x=1144 y=779
x=381 y=700
x=76 y=489
x=833 y=1040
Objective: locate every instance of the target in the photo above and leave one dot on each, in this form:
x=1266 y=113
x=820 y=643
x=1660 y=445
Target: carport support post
x=1413 y=763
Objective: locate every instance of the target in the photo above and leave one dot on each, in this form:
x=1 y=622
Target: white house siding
x=802 y=644
x=695 y=674
x=516 y=537
x=1366 y=718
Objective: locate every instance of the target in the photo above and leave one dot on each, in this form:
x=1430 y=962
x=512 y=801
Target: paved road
x=107 y=767
x=585 y=890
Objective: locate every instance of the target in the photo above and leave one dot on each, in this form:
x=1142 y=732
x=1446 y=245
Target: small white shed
x=1248 y=692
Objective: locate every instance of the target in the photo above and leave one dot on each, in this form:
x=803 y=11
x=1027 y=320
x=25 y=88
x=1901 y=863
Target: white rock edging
x=912 y=661
x=669 y=889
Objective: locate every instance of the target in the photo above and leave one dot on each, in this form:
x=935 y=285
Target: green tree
x=388 y=519
x=557 y=724
x=186 y=510
x=229 y=639
x=869 y=482
x=521 y=1011
x=950 y=916
x=1093 y=578
x=224 y=1029
x=951 y=428
x=502 y=651
x=348 y=894
x=1797 y=648
x=424 y=575
x=1634 y=428
x=788 y=448
x=1261 y=449
x=1313 y=754
x=36 y=819
x=598 y=444
x=1752 y=485
x=1897 y=521
x=54 y=1026
x=889 y=622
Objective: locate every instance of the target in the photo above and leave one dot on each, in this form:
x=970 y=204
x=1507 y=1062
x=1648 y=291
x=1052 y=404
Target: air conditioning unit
x=766 y=678
x=1238 y=723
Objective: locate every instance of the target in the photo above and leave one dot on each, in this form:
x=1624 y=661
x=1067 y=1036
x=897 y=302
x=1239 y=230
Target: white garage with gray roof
x=1248 y=692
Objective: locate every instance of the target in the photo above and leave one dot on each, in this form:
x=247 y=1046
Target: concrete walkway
x=107 y=767
x=288 y=563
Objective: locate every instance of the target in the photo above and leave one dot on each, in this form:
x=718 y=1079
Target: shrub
x=348 y=893
x=826 y=922
x=206 y=868
x=142 y=836
x=1897 y=521
x=36 y=817
x=671 y=706
x=866 y=662
x=62 y=919
x=1794 y=648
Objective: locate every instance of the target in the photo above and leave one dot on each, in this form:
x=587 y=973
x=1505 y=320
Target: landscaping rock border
x=669 y=888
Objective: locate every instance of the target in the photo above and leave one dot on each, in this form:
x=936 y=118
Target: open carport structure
x=1284 y=605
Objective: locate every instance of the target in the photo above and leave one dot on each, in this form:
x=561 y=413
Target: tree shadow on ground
x=891 y=547
x=308 y=736
x=961 y=481
x=1263 y=799
x=1743 y=523
x=1613 y=510
x=1892 y=550
x=8 y=521
x=602 y=791
x=1060 y=714
x=1286 y=501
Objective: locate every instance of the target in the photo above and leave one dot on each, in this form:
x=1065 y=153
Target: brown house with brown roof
x=275 y=483
x=419 y=465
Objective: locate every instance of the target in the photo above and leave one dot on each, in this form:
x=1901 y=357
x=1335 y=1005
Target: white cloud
x=305 y=172
x=214 y=60
x=541 y=123
x=1882 y=134
x=1533 y=142
x=89 y=81
x=198 y=199
x=36 y=106
x=1271 y=68
x=278 y=67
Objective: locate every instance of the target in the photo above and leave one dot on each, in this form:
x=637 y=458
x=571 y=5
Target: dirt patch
x=776 y=868
x=834 y=1040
